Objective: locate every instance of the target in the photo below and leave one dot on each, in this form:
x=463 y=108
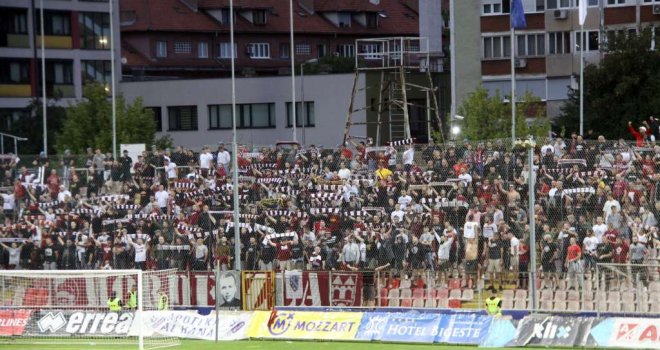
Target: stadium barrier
x=458 y=328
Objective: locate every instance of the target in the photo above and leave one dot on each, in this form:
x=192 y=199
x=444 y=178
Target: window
x=182 y=118
x=559 y=43
x=371 y=51
x=591 y=41
x=182 y=47
x=94 y=30
x=307 y=114
x=589 y=3
x=616 y=2
x=346 y=50
x=303 y=49
x=14 y=72
x=540 y=5
x=161 y=49
x=203 y=49
x=530 y=45
x=158 y=117
x=96 y=71
x=344 y=19
x=321 y=50
x=14 y=21
x=371 y=19
x=491 y=7
x=55 y=23
x=259 y=17
x=285 y=49
x=256 y=116
x=559 y=4
x=259 y=50
x=59 y=72
x=497 y=46
x=225 y=51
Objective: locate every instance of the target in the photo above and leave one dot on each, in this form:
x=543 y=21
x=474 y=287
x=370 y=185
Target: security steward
x=494 y=304
x=163 y=301
x=114 y=303
x=132 y=299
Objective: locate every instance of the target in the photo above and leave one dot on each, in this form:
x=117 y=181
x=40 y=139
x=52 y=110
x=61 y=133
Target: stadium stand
x=450 y=221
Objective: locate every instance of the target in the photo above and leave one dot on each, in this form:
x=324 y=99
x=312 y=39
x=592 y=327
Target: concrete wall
x=430 y=23
x=330 y=93
x=467 y=46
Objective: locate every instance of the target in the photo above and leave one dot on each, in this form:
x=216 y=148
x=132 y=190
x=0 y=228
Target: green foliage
x=89 y=123
x=487 y=117
x=30 y=126
x=330 y=64
x=164 y=142
x=624 y=86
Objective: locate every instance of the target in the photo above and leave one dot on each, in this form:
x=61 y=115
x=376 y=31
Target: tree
x=30 y=126
x=89 y=123
x=624 y=86
x=487 y=117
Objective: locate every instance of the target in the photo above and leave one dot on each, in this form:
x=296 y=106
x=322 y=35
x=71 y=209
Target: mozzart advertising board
x=305 y=325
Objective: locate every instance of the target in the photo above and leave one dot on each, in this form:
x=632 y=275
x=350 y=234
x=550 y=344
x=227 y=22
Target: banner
x=13 y=322
x=62 y=323
x=501 y=332
x=189 y=324
x=630 y=333
x=305 y=325
x=470 y=328
x=183 y=289
x=323 y=288
x=410 y=327
x=552 y=331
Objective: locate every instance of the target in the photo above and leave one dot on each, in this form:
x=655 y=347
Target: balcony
x=15 y=40
x=15 y=90
x=56 y=41
x=60 y=90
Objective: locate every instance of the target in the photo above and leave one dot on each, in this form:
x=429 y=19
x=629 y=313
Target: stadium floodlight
x=455 y=130
x=72 y=307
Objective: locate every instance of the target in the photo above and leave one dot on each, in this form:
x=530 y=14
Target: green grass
x=253 y=345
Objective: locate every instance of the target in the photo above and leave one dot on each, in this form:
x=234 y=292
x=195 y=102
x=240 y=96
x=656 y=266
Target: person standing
x=163 y=300
x=223 y=157
x=574 y=264
x=494 y=304
x=114 y=302
x=132 y=299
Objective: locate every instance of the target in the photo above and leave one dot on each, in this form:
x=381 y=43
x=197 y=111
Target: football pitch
x=258 y=345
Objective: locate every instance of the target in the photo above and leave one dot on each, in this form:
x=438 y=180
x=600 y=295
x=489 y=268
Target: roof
x=175 y=15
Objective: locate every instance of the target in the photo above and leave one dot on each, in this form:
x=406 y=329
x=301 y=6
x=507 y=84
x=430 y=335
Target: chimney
x=307 y=5
x=192 y=4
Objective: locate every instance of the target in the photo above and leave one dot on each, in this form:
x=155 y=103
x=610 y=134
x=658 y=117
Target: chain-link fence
x=456 y=214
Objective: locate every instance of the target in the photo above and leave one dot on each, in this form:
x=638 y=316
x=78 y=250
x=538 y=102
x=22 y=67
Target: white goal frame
x=100 y=273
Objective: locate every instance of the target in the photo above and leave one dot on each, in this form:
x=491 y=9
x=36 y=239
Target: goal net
x=83 y=308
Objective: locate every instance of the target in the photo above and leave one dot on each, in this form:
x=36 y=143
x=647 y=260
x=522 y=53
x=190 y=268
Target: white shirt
x=205 y=160
x=467 y=178
x=404 y=201
x=62 y=195
x=607 y=208
x=545 y=148
x=470 y=229
x=171 y=170
x=140 y=252
x=14 y=256
x=9 y=201
x=344 y=173
x=443 y=248
x=161 y=198
x=224 y=157
x=408 y=156
x=397 y=213
x=515 y=246
x=590 y=243
x=599 y=231
x=489 y=230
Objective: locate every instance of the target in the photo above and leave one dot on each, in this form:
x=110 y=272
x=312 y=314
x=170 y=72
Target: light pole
x=112 y=80
x=44 y=100
x=293 y=71
x=237 y=226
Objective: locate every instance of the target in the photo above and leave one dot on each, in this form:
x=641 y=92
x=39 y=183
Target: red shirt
x=283 y=252
x=620 y=253
x=573 y=252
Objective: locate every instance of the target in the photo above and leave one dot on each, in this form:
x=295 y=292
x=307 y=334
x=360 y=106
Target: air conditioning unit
x=520 y=63
x=656 y=9
x=560 y=14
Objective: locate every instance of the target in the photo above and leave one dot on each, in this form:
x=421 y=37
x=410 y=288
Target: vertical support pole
x=404 y=103
x=532 y=229
x=582 y=80
x=140 y=305
x=44 y=107
x=513 y=85
x=380 y=106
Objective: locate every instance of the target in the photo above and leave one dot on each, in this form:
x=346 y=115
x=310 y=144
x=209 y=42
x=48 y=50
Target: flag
x=518 y=15
x=583 y=11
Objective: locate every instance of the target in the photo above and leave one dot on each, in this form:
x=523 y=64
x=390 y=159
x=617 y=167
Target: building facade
x=547 y=52
x=197 y=112
x=190 y=38
x=77 y=51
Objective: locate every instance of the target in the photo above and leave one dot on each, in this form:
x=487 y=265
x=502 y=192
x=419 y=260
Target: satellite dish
x=124 y=60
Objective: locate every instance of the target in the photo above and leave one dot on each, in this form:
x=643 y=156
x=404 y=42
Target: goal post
x=82 y=307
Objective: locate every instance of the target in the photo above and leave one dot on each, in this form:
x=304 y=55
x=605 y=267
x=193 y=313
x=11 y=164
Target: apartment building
x=547 y=52
x=77 y=51
x=190 y=38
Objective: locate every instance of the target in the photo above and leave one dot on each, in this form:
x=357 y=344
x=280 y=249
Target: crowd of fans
x=446 y=209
